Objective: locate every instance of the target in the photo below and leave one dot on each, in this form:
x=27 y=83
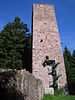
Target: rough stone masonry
x=46 y=46
x=19 y=85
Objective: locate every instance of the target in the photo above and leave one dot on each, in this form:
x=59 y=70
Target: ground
x=51 y=97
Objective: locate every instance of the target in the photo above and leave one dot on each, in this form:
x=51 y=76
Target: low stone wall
x=22 y=83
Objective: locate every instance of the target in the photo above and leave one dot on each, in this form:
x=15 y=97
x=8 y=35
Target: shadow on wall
x=8 y=92
x=66 y=88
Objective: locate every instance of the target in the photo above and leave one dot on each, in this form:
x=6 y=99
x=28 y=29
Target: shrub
x=60 y=92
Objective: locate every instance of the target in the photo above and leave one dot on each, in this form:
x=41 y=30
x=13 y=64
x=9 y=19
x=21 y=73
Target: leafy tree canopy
x=12 y=44
x=70 y=69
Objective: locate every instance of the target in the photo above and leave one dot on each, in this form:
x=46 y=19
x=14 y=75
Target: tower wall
x=46 y=42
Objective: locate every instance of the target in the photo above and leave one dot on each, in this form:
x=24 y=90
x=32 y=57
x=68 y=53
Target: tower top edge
x=41 y=4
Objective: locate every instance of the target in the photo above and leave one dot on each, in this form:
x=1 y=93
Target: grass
x=51 y=97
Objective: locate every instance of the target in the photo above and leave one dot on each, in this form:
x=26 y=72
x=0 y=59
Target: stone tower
x=47 y=57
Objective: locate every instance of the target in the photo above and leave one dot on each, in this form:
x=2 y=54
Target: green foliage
x=53 y=97
x=73 y=59
x=47 y=97
x=60 y=92
x=70 y=69
x=12 y=44
x=67 y=54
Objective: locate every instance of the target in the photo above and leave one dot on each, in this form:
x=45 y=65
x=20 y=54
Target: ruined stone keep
x=19 y=85
x=47 y=57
